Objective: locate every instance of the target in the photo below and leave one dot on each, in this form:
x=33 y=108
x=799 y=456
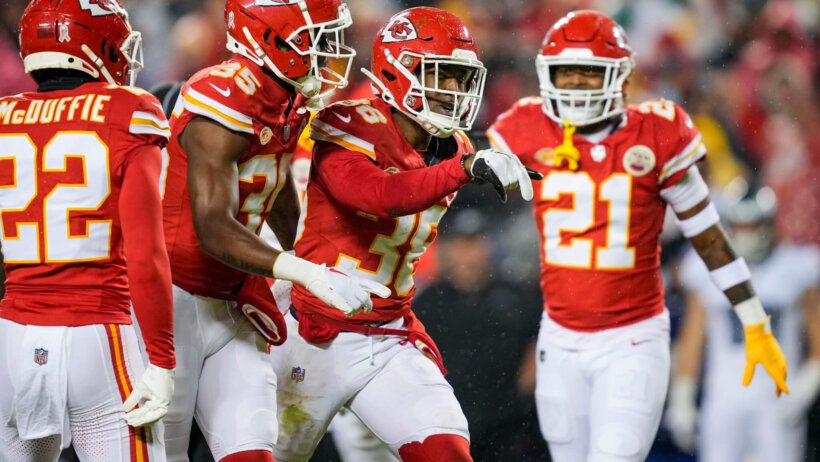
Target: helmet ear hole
x=281 y=45
x=390 y=77
x=267 y=36
x=112 y=55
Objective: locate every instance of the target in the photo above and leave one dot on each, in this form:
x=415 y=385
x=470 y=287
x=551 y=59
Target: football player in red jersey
x=80 y=165
x=234 y=129
x=384 y=172
x=610 y=171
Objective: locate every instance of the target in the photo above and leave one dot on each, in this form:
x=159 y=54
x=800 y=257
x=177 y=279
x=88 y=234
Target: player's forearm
x=713 y=247
x=417 y=190
x=149 y=278
x=224 y=238
x=359 y=184
x=284 y=215
x=149 y=271
x=214 y=204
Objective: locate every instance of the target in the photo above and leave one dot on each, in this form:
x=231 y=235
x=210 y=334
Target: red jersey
x=373 y=204
x=600 y=225
x=239 y=96
x=62 y=159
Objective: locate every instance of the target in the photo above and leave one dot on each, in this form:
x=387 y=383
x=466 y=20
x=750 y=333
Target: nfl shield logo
x=297 y=374
x=40 y=356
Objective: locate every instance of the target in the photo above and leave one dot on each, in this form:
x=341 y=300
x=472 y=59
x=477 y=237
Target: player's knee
x=617 y=444
x=435 y=448
x=259 y=455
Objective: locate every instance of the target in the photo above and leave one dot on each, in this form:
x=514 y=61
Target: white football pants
x=391 y=386
x=223 y=377
x=601 y=404
x=79 y=401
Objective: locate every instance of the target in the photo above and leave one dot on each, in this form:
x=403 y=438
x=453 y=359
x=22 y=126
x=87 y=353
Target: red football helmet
x=421 y=40
x=94 y=37
x=296 y=39
x=585 y=38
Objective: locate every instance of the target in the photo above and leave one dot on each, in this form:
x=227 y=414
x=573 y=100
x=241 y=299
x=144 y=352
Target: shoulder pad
x=338 y=123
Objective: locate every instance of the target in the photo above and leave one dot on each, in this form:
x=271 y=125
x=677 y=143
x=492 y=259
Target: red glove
x=256 y=301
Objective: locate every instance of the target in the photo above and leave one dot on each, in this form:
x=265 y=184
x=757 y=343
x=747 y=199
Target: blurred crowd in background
x=747 y=71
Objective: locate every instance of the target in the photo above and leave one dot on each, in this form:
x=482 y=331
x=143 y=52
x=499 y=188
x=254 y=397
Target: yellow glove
x=762 y=348
x=567 y=151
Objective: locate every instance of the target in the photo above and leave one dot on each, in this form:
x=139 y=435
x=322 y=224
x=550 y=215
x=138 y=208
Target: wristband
x=751 y=312
x=700 y=221
x=730 y=274
x=463 y=166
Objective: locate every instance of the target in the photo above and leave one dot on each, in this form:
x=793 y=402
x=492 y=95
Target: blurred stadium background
x=748 y=71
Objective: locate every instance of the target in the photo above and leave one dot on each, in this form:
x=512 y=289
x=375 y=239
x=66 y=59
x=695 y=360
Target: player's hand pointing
x=503 y=171
x=153 y=393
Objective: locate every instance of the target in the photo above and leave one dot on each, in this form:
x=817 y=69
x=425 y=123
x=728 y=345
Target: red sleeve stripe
x=136 y=436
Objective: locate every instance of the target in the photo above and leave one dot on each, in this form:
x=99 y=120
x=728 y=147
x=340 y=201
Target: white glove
x=682 y=414
x=153 y=393
x=334 y=286
x=503 y=171
x=355 y=290
x=805 y=388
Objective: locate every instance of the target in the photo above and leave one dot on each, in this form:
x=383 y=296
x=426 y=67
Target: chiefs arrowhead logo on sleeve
x=400 y=30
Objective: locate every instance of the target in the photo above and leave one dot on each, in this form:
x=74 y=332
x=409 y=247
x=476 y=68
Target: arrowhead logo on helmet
x=399 y=30
x=98 y=7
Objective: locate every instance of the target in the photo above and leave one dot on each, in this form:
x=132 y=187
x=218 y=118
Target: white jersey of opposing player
x=780 y=282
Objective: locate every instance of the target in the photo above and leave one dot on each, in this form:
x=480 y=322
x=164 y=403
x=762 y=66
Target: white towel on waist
x=39 y=379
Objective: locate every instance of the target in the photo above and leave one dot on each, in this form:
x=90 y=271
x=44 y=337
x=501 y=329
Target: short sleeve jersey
x=385 y=250
x=239 y=96
x=599 y=226
x=62 y=158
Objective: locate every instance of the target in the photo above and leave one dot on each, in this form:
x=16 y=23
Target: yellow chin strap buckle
x=566 y=151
